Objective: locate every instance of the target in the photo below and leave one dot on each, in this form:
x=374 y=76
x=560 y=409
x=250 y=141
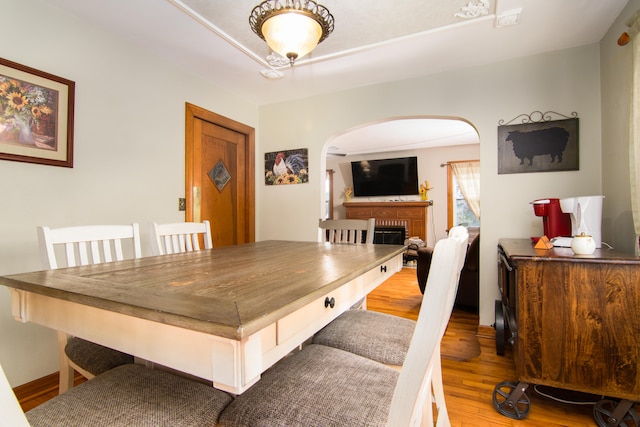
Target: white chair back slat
x=421 y=374
x=185 y=241
x=179 y=243
x=346 y=230
x=117 y=250
x=87 y=253
x=192 y=242
x=70 y=255
x=180 y=237
x=166 y=242
x=87 y=244
x=460 y=234
x=47 y=253
x=106 y=250
x=93 y=250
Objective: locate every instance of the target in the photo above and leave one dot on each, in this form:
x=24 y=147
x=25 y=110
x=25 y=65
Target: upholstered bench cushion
x=376 y=336
x=133 y=395
x=93 y=357
x=318 y=386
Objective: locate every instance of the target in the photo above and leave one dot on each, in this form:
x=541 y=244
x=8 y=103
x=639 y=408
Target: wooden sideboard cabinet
x=411 y=215
x=573 y=320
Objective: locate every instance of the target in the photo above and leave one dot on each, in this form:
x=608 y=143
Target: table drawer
x=326 y=308
x=297 y=322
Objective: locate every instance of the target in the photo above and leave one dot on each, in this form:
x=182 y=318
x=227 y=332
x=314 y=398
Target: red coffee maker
x=555 y=222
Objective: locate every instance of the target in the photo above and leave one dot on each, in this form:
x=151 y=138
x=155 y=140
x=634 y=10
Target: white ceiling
x=374 y=41
x=403 y=134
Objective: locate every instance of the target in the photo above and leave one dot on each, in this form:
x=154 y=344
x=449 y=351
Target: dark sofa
x=468 y=288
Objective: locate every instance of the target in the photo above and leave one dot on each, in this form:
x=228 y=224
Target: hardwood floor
x=471 y=367
x=39 y=391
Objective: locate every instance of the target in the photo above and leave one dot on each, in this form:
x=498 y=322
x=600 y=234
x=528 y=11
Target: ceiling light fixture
x=292 y=28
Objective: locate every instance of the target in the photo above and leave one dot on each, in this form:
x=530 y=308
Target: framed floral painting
x=286 y=167
x=36 y=116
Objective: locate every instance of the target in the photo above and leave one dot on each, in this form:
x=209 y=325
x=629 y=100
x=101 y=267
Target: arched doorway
x=435 y=140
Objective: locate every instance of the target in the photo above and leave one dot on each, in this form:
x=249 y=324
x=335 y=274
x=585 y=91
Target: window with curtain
x=463 y=190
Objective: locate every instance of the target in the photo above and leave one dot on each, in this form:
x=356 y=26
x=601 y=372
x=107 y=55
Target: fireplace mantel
x=411 y=215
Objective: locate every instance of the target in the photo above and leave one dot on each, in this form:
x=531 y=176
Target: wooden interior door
x=220 y=175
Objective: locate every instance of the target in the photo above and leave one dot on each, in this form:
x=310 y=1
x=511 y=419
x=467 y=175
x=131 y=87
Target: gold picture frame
x=36 y=116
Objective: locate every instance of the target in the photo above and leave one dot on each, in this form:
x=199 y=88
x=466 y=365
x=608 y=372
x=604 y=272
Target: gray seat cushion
x=376 y=336
x=133 y=395
x=319 y=386
x=93 y=357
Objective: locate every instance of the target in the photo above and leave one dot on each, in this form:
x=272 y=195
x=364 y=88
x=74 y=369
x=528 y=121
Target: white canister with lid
x=583 y=244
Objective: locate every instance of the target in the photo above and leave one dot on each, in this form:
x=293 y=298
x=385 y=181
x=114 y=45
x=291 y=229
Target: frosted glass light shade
x=292 y=35
x=292 y=28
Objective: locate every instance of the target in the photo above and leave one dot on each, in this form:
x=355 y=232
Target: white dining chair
x=85 y=245
x=379 y=336
x=322 y=385
x=129 y=395
x=383 y=337
x=180 y=237
x=347 y=230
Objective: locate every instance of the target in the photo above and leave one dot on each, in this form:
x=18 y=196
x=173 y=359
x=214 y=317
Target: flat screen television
x=385 y=177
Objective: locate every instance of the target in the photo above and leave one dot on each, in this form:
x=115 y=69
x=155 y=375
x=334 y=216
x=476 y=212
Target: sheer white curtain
x=468 y=177
x=634 y=125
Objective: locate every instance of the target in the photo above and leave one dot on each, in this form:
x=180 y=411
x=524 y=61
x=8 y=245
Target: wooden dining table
x=224 y=315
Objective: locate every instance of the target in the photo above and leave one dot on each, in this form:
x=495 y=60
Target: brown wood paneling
x=577 y=322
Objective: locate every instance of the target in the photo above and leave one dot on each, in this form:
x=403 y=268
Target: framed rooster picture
x=286 y=167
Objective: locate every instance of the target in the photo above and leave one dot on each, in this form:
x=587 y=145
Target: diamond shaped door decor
x=219 y=175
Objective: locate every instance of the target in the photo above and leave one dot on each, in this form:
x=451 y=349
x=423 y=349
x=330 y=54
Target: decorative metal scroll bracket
x=538 y=117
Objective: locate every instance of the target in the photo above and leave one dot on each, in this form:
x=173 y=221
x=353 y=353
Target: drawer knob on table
x=383 y=268
x=329 y=302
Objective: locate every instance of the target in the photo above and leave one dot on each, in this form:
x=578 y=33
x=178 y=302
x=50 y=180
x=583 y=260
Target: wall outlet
x=182 y=204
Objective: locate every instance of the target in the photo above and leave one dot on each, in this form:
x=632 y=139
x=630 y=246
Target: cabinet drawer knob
x=329 y=302
x=383 y=268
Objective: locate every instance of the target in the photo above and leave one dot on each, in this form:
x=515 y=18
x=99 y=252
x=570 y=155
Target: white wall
x=129 y=152
x=562 y=81
x=429 y=161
